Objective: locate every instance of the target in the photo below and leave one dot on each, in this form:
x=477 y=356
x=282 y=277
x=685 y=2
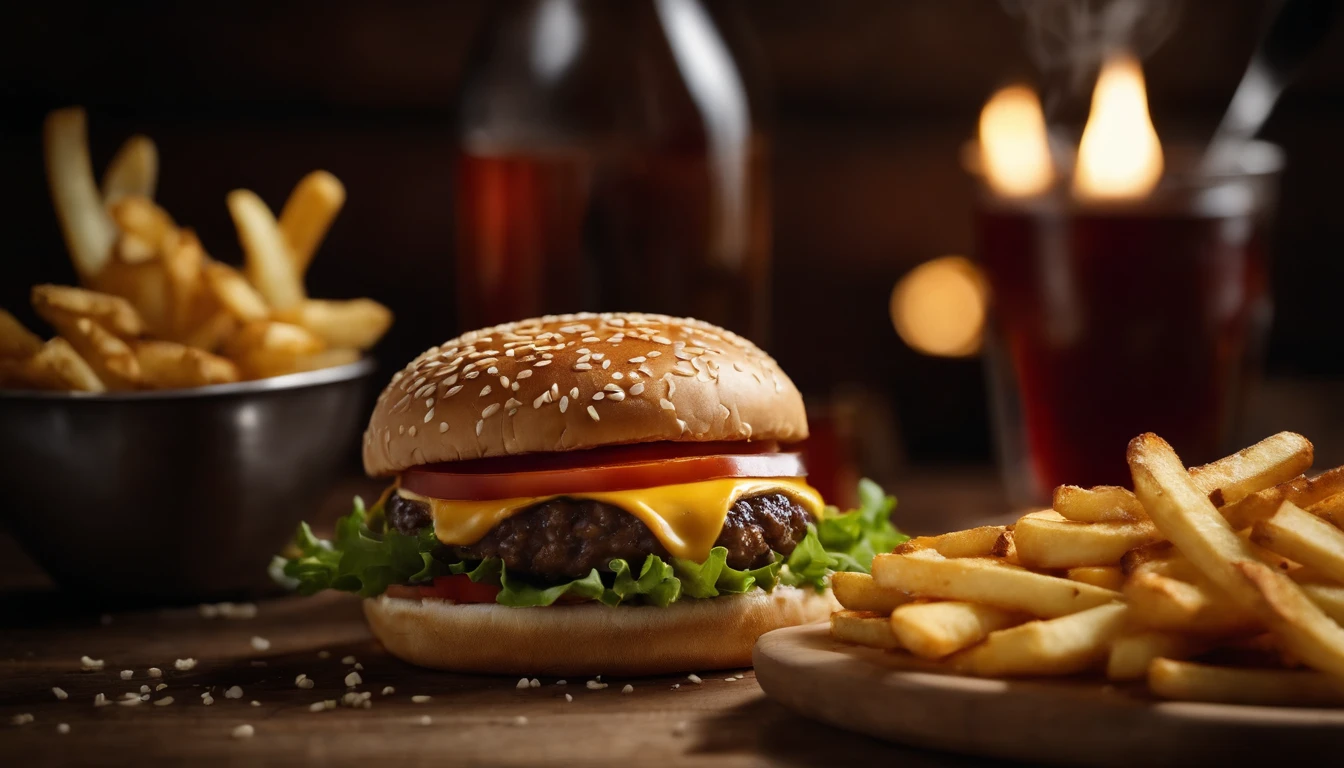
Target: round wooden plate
x=1073 y=722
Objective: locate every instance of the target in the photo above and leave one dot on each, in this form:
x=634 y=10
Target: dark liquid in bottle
x=663 y=230
x=1118 y=325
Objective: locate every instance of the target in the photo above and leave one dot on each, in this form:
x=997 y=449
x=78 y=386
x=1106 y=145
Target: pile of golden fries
x=155 y=311
x=1221 y=583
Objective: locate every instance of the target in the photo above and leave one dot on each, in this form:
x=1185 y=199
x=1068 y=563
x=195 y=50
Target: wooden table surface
x=473 y=720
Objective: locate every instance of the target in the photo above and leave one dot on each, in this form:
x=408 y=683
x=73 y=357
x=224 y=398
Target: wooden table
x=472 y=719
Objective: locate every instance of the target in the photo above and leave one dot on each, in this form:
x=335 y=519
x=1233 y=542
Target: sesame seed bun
x=569 y=382
x=590 y=639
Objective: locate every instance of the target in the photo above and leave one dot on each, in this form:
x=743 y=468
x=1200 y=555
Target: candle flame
x=1013 y=146
x=1119 y=156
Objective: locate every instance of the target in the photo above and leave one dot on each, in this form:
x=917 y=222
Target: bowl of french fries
x=1221 y=583
x=183 y=414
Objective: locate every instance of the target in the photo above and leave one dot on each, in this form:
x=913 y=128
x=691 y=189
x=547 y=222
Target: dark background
x=871 y=101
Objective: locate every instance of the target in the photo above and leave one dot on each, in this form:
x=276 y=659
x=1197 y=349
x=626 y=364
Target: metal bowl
x=174 y=496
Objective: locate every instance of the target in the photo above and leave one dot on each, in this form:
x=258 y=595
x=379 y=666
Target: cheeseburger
x=585 y=494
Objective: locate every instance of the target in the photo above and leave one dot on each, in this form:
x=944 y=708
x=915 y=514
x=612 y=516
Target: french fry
x=134 y=170
x=61 y=305
x=1005 y=548
x=88 y=230
x=938 y=629
x=131 y=249
x=260 y=365
x=211 y=333
x=269 y=348
x=1047 y=540
x=356 y=323
x=58 y=366
x=1303 y=537
x=1163 y=603
x=1330 y=510
x=1184 y=513
x=109 y=356
x=234 y=293
x=1104 y=576
x=183 y=263
x=307 y=216
x=973 y=542
x=16 y=341
x=1131 y=654
x=1102 y=504
x=1276 y=459
x=142 y=219
x=1328 y=597
x=863 y=628
x=1061 y=646
x=1301 y=490
x=144 y=285
x=1186 y=681
x=927 y=574
x=270 y=265
x=168 y=365
x=858 y=592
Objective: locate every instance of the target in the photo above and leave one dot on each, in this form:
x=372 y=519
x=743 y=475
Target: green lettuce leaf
x=365 y=557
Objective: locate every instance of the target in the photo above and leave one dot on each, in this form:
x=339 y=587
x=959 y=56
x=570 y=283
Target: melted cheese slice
x=686 y=518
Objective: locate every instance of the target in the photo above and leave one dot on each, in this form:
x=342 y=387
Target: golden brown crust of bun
x=568 y=382
x=590 y=639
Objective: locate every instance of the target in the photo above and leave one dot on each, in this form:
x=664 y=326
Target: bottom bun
x=590 y=639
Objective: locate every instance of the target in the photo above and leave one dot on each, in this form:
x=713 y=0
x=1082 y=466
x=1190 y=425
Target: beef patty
x=567 y=538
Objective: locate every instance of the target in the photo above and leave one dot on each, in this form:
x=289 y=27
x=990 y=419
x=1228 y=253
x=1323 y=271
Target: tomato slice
x=444 y=481
x=459 y=588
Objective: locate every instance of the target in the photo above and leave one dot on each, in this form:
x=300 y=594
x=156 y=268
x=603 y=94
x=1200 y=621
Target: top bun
x=569 y=382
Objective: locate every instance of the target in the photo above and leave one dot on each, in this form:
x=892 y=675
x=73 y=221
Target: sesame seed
x=618 y=375
x=564 y=403
x=348 y=660
x=646 y=370
x=541 y=363
x=574 y=393
x=160 y=686
x=637 y=389
x=680 y=728
x=127 y=674
x=568 y=697
x=443 y=427
x=593 y=685
x=492 y=370
x=62 y=728
x=207 y=699
x=592 y=412
x=470 y=375
x=666 y=404
x=234 y=693
x=60 y=694
x=730 y=679
x=411 y=431
x=155 y=672
x=504 y=381
x=598 y=355
x=144 y=689
x=429 y=415
x=661 y=340
x=535 y=683
x=132 y=702
x=100 y=701
x=682 y=424
x=512 y=403
x=426 y=720
x=353 y=679
x=628 y=688
x=485 y=390
x=599 y=395
x=590 y=339
x=523 y=683
x=165 y=701
x=523 y=374
x=184 y=665
x=585 y=358
x=452 y=392
x=490 y=410
x=636 y=360
x=261 y=643
x=694 y=679
x=561 y=682
x=21 y=719
x=389 y=690
x=675 y=686
x=520 y=721
x=243 y=731
x=304 y=682
x=582 y=367
x=90 y=665
x=316 y=706
x=420 y=699
x=654 y=353
x=606 y=364
x=616 y=396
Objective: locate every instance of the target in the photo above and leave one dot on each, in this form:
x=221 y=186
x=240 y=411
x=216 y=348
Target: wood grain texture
x=473 y=718
x=1063 y=722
